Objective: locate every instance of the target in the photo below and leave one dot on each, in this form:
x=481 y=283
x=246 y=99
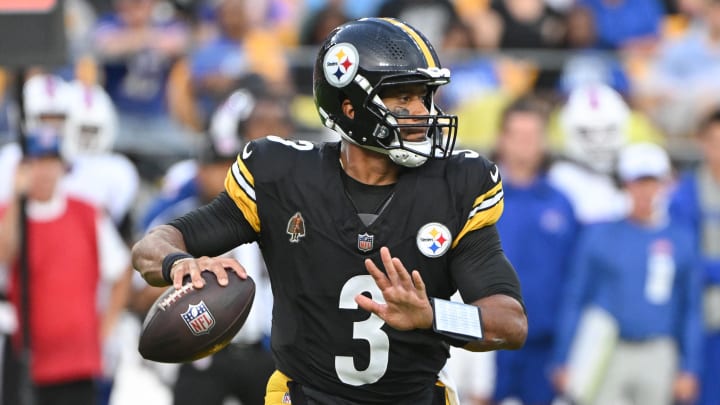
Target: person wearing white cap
x=643 y=271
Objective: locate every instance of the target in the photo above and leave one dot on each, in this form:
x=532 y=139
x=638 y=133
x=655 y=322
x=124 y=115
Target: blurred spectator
x=239 y=49
x=528 y=24
x=73 y=250
x=476 y=92
x=696 y=201
x=318 y=24
x=474 y=75
x=539 y=240
x=625 y=23
x=683 y=84
x=138 y=45
x=431 y=17
x=79 y=20
x=594 y=119
x=278 y=16
x=643 y=271
x=587 y=65
x=353 y=9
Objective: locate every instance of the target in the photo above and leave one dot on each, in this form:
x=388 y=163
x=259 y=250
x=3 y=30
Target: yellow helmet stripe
x=418 y=40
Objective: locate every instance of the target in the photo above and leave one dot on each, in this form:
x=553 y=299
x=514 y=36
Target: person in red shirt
x=73 y=249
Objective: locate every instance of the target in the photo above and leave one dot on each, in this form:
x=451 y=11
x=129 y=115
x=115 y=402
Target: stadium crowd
x=602 y=115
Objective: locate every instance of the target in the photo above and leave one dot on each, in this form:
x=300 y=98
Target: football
x=188 y=324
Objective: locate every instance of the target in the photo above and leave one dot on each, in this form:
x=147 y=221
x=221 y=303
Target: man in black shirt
x=353 y=323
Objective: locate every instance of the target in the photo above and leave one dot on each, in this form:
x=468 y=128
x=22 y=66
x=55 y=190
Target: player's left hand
x=406 y=304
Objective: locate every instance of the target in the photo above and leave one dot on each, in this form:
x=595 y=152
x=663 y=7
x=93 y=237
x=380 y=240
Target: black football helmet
x=361 y=58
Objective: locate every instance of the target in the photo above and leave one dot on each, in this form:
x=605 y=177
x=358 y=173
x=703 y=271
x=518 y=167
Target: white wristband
x=457 y=320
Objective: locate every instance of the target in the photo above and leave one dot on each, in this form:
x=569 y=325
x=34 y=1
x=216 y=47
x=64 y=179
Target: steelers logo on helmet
x=341 y=64
x=434 y=239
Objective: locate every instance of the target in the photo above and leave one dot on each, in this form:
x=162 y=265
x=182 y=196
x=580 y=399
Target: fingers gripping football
x=195 y=266
x=406 y=303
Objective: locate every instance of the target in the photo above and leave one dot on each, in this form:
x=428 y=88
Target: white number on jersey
x=368 y=330
x=297 y=144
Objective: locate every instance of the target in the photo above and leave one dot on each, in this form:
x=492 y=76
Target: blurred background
x=173 y=89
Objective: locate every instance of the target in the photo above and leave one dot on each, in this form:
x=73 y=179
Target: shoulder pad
x=261 y=160
x=476 y=182
x=272 y=157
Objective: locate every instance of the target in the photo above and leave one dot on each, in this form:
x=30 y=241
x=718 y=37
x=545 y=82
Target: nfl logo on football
x=199 y=319
x=365 y=242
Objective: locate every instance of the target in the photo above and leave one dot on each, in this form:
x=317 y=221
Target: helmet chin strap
x=404 y=157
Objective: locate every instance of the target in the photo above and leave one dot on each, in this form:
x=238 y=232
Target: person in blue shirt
x=239 y=49
x=138 y=49
x=642 y=270
x=538 y=240
x=696 y=201
x=625 y=23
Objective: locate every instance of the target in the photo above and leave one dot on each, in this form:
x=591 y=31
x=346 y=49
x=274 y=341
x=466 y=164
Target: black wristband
x=168 y=262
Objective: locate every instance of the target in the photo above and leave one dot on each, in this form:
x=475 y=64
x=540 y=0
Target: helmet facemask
x=440 y=129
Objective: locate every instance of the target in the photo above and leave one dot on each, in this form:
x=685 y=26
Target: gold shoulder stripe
x=418 y=40
x=240 y=186
x=487 y=200
x=486 y=211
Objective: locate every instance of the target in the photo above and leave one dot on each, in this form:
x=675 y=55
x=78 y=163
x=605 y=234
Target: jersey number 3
x=369 y=330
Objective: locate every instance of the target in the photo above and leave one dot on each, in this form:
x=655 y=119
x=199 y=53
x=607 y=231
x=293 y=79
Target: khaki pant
x=640 y=373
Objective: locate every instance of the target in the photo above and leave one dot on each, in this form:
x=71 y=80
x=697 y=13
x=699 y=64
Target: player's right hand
x=195 y=266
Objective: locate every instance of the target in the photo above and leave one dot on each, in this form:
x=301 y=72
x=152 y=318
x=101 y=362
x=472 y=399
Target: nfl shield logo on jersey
x=365 y=242
x=199 y=319
x=434 y=239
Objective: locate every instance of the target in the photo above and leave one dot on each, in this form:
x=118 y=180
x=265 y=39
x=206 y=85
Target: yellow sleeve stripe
x=243 y=178
x=240 y=186
x=487 y=200
x=419 y=41
x=487 y=210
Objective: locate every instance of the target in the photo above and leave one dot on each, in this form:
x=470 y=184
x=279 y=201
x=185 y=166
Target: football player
x=595 y=119
x=365 y=239
x=107 y=179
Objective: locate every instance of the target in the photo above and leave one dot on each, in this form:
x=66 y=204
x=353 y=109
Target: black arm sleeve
x=480 y=267
x=215 y=228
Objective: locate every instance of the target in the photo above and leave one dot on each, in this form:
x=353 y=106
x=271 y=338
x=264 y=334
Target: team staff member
x=326 y=216
x=539 y=240
x=696 y=202
x=644 y=272
x=75 y=255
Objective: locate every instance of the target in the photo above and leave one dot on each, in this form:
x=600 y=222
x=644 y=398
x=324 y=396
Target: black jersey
x=314 y=245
